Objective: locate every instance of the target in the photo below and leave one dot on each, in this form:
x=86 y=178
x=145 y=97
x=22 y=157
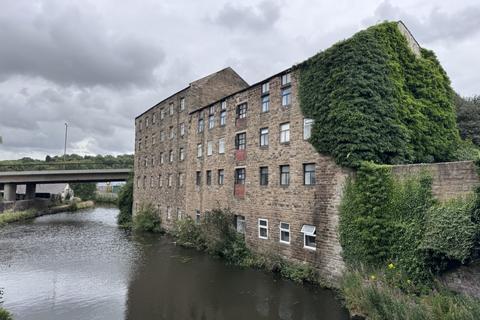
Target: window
x=224 y=105
x=160 y=182
x=286 y=79
x=140 y=125
x=240 y=176
x=285 y=132
x=200 y=125
x=307 y=128
x=199 y=150
x=241 y=141
x=263 y=137
x=182 y=129
x=263 y=228
x=209 y=177
x=153 y=161
x=242 y=111
x=284 y=175
x=139 y=144
x=153 y=139
x=263 y=176
x=169 y=213
x=162 y=114
x=151 y=181
x=179 y=214
x=286 y=96
x=221 y=145
x=181 y=178
x=240 y=224
x=144 y=181
x=171 y=108
x=223 y=118
x=170 y=180
x=211 y=121
x=162 y=159
x=182 y=104
x=309 y=235
x=265 y=87
x=221 y=176
x=265 y=103
x=145 y=162
x=146 y=122
x=162 y=135
x=172 y=133
x=154 y=118
x=211 y=110
x=209 y=148
x=284 y=232
x=138 y=182
x=198 y=179
x=170 y=156
x=309 y=174
x=197 y=216
x=181 y=154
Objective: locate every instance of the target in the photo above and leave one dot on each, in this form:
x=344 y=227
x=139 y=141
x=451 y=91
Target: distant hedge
x=373 y=99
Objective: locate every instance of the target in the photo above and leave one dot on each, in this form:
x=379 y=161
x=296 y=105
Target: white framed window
x=200 y=125
x=181 y=178
x=265 y=87
x=309 y=236
x=181 y=153
x=224 y=105
x=162 y=159
x=146 y=122
x=309 y=174
x=240 y=224
x=169 y=213
x=162 y=135
x=284 y=232
x=170 y=156
x=197 y=216
x=153 y=139
x=179 y=214
x=211 y=121
x=263 y=137
x=151 y=181
x=286 y=79
x=209 y=148
x=265 y=103
x=307 y=128
x=211 y=110
x=172 y=133
x=182 y=104
x=182 y=129
x=162 y=113
x=263 y=228
x=170 y=180
x=160 y=182
x=221 y=145
x=223 y=118
x=199 y=150
x=286 y=96
x=171 y=108
x=285 y=132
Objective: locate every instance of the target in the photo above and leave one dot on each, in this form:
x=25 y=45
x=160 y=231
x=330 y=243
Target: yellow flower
x=391 y=266
x=373 y=277
x=409 y=281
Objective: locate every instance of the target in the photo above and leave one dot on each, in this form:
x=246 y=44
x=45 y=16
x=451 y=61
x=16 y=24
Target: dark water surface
x=81 y=266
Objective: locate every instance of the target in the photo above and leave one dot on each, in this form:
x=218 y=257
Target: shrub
x=5 y=315
x=188 y=234
x=147 y=219
x=14 y=216
x=85 y=191
x=125 y=203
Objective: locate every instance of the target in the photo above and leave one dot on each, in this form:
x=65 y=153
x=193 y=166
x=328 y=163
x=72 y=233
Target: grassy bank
x=374 y=295
x=14 y=216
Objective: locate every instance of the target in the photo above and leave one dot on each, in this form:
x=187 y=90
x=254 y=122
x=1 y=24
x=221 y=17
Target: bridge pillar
x=30 y=190
x=9 y=192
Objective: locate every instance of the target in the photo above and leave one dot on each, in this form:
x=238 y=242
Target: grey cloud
x=70 y=44
x=437 y=25
x=256 y=19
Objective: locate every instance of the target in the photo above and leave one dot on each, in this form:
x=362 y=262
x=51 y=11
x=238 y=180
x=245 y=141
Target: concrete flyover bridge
x=11 y=179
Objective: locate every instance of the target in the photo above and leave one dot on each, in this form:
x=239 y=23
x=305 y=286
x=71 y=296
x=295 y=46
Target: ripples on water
x=81 y=266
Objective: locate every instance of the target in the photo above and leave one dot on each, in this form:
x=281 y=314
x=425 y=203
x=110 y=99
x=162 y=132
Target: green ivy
x=373 y=99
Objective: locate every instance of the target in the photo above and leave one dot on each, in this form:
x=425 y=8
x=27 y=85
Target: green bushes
x=5 y=315
x=85 y=191
x=373 y=99
x=125 y=203
x=383 y=221
x=373 y=297
x=147 y=219
x=216 y=235
x=14 y=216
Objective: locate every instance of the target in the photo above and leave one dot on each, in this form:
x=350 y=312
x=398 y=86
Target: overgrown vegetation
x=147 y=219
x=14 y=216
x=216 y=235
x=468 y=118
x=371 y=295
x=5 y=315
x=384 y=221
x=71 y=161
x=84 y=191
x=373 y=99
x=125 y=204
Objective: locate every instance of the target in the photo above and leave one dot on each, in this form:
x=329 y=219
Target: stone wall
x=465 y=279
x=450 y=179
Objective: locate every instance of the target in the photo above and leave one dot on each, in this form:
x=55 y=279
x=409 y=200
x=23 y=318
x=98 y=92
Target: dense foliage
x=468 y=118
x=5 y=315
x=84 y=191
x=72 y=161
x=373 y=99
x=383 y=220
x=147 y=219
x=125 y=203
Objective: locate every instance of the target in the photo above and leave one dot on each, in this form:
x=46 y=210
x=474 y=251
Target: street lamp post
x=65 y=147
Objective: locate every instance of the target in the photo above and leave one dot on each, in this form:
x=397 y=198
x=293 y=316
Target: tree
x=125 y=203
x=85 y=191
x=468 y=117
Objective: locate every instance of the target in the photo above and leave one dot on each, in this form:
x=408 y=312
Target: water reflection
x=80 y=266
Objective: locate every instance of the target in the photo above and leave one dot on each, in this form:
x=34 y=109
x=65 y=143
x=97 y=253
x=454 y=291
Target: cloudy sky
x=97 y=64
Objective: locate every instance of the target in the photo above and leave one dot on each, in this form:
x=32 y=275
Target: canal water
x=79 y=265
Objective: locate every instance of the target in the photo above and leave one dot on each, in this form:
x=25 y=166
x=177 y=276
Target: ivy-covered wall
x=373 y=99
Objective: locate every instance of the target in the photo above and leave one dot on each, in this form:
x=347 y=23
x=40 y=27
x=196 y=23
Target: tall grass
x=14 y=216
